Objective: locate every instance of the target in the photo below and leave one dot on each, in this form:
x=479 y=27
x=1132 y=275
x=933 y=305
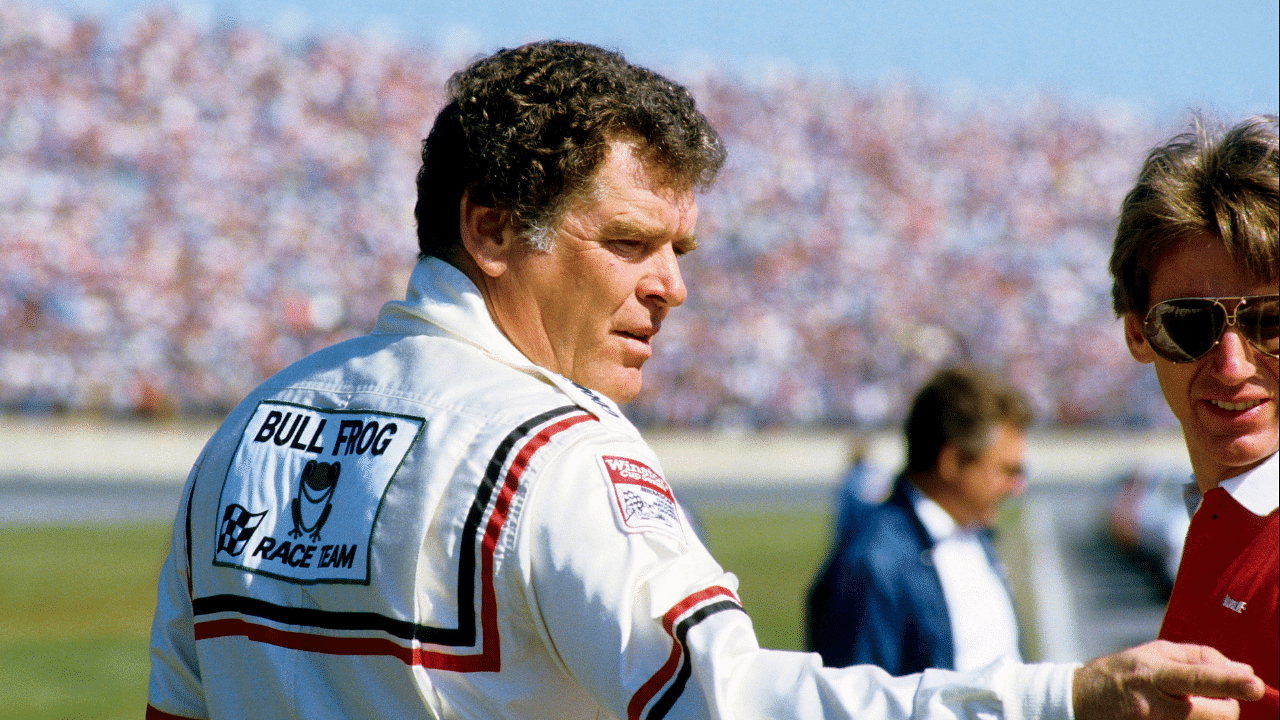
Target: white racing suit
x=420 y=523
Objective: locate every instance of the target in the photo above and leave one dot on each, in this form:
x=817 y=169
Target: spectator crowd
x=185 y=208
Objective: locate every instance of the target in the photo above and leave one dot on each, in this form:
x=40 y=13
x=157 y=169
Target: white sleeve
x=174 y=687
x=649 y=624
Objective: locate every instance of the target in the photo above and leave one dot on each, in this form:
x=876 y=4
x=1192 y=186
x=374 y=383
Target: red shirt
x=1225 y=594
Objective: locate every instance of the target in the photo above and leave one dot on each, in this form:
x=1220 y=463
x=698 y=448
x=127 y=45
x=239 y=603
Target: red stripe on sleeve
x=488 y=597
x=668 y=670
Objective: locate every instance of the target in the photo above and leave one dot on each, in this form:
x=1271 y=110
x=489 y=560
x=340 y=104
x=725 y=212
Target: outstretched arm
x=1163 y=681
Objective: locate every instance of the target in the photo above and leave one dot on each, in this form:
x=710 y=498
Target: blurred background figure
x=914 y=582
x=863 y=485
x=1147 y=517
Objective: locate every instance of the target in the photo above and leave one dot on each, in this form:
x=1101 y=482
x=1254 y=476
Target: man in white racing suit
x=450 y=517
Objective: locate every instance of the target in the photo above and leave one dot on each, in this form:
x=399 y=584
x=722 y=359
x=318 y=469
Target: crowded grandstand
x=186 y=208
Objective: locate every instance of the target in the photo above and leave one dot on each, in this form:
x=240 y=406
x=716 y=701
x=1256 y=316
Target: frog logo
x=313 y=504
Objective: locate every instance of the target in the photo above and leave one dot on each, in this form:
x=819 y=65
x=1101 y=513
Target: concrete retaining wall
x=84 y=449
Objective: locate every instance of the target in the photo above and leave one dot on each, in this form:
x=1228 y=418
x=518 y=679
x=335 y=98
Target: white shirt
x=1257 y=490
x=984 y=627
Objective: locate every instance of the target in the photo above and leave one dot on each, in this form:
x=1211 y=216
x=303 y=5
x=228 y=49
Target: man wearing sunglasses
x=1195 y=270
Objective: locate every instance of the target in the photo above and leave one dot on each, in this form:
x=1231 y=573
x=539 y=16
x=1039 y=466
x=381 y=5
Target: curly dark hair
x=526 y=129
x=1221 y=183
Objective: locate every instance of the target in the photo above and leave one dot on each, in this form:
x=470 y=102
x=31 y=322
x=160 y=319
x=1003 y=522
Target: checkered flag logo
x=238 y=525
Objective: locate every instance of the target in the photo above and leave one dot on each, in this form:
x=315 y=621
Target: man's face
x=589 y=307
x=982 y=484
x=1226 y=400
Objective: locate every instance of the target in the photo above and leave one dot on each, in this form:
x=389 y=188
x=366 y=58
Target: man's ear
x=1136 y=340
x=950 y=460
x=486 y=236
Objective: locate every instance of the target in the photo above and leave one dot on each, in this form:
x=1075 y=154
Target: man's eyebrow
x=627 y=229
x=621 y=227
x=686 y=244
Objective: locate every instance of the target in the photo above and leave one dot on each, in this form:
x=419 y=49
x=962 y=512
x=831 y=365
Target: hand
x=1163 y=681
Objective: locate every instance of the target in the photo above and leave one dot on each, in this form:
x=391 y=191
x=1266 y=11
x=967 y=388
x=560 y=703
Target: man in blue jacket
x=914 y=582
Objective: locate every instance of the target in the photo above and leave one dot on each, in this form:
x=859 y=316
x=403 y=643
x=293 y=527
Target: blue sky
x=1167 y=56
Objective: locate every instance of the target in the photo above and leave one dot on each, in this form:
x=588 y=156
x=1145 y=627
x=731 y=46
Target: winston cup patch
x=304 y=489
x=643 y=500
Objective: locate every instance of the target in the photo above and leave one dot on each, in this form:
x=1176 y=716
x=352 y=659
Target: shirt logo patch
x=1232 y=605
x=642 y=498
x=304 y=489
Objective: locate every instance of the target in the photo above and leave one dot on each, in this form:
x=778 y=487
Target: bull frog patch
x=304 y=489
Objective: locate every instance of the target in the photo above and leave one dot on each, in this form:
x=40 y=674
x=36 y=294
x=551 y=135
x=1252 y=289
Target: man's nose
x=662 y=280
x=1232 y=361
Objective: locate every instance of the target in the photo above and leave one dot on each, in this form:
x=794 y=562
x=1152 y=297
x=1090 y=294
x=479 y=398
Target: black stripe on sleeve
x=668 y=699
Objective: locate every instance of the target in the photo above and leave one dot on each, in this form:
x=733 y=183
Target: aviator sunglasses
x=1184 y=330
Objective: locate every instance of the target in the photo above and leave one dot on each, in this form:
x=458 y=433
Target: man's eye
x=628 y=246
